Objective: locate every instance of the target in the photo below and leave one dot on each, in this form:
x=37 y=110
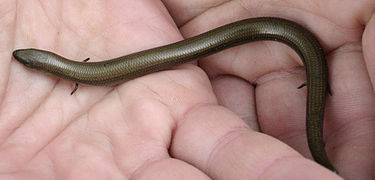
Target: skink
x=121 y=69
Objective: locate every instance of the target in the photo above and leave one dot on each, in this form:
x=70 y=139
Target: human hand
x=276 y=70
x=168 y=124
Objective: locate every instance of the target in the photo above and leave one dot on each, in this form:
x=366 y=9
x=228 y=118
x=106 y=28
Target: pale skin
x=193 y=122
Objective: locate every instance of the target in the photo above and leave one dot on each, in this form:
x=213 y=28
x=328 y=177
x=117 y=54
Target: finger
x=350 y=114
x=220 y=144
x=171 y=169
x=238 y=96
x=368 y=48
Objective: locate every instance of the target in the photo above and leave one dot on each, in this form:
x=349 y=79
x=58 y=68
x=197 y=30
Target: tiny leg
x=75 y=89
x=302 y=85
x=76 y=85
x=329 y=89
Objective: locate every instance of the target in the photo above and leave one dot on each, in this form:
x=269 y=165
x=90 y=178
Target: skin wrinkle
x=355 y=46
x=149 y=161
x=50 y=22
x=85 y=107
x=146 y=164
x=274 y=162
x=176 y=82
x=279 y=75
x=155 y=93
x=363 y=20
x=341 y=142
x=212 y=4
x=370 y=120
x=247 y=114
x=242 y=4
x=73 y=30
x=6 y=79
x=189 y=67
x=180 y=121
x=121 y=98
x=117 y=165
x=5 y=89
x=156 y=29
x=342 y=29
x=45 y=13
x=305 y=11
x=296 y=73
x=346 y=48
x=107 y=38
x=112 y=154
x=120 y=23
x=348 y=125
x=260 y=5
x=347 y=128
x=234 y=59
x=290 y=53
x=293 y=73
x=55 y=136
x=30 y=157
x=159 y=101
x=292 y=134
x=4 y=15
x=232 y=134
x=22 y=121
x=187 y=21
x=60 y=113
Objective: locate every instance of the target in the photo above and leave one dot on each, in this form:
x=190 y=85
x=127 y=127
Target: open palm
x=181 y=123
